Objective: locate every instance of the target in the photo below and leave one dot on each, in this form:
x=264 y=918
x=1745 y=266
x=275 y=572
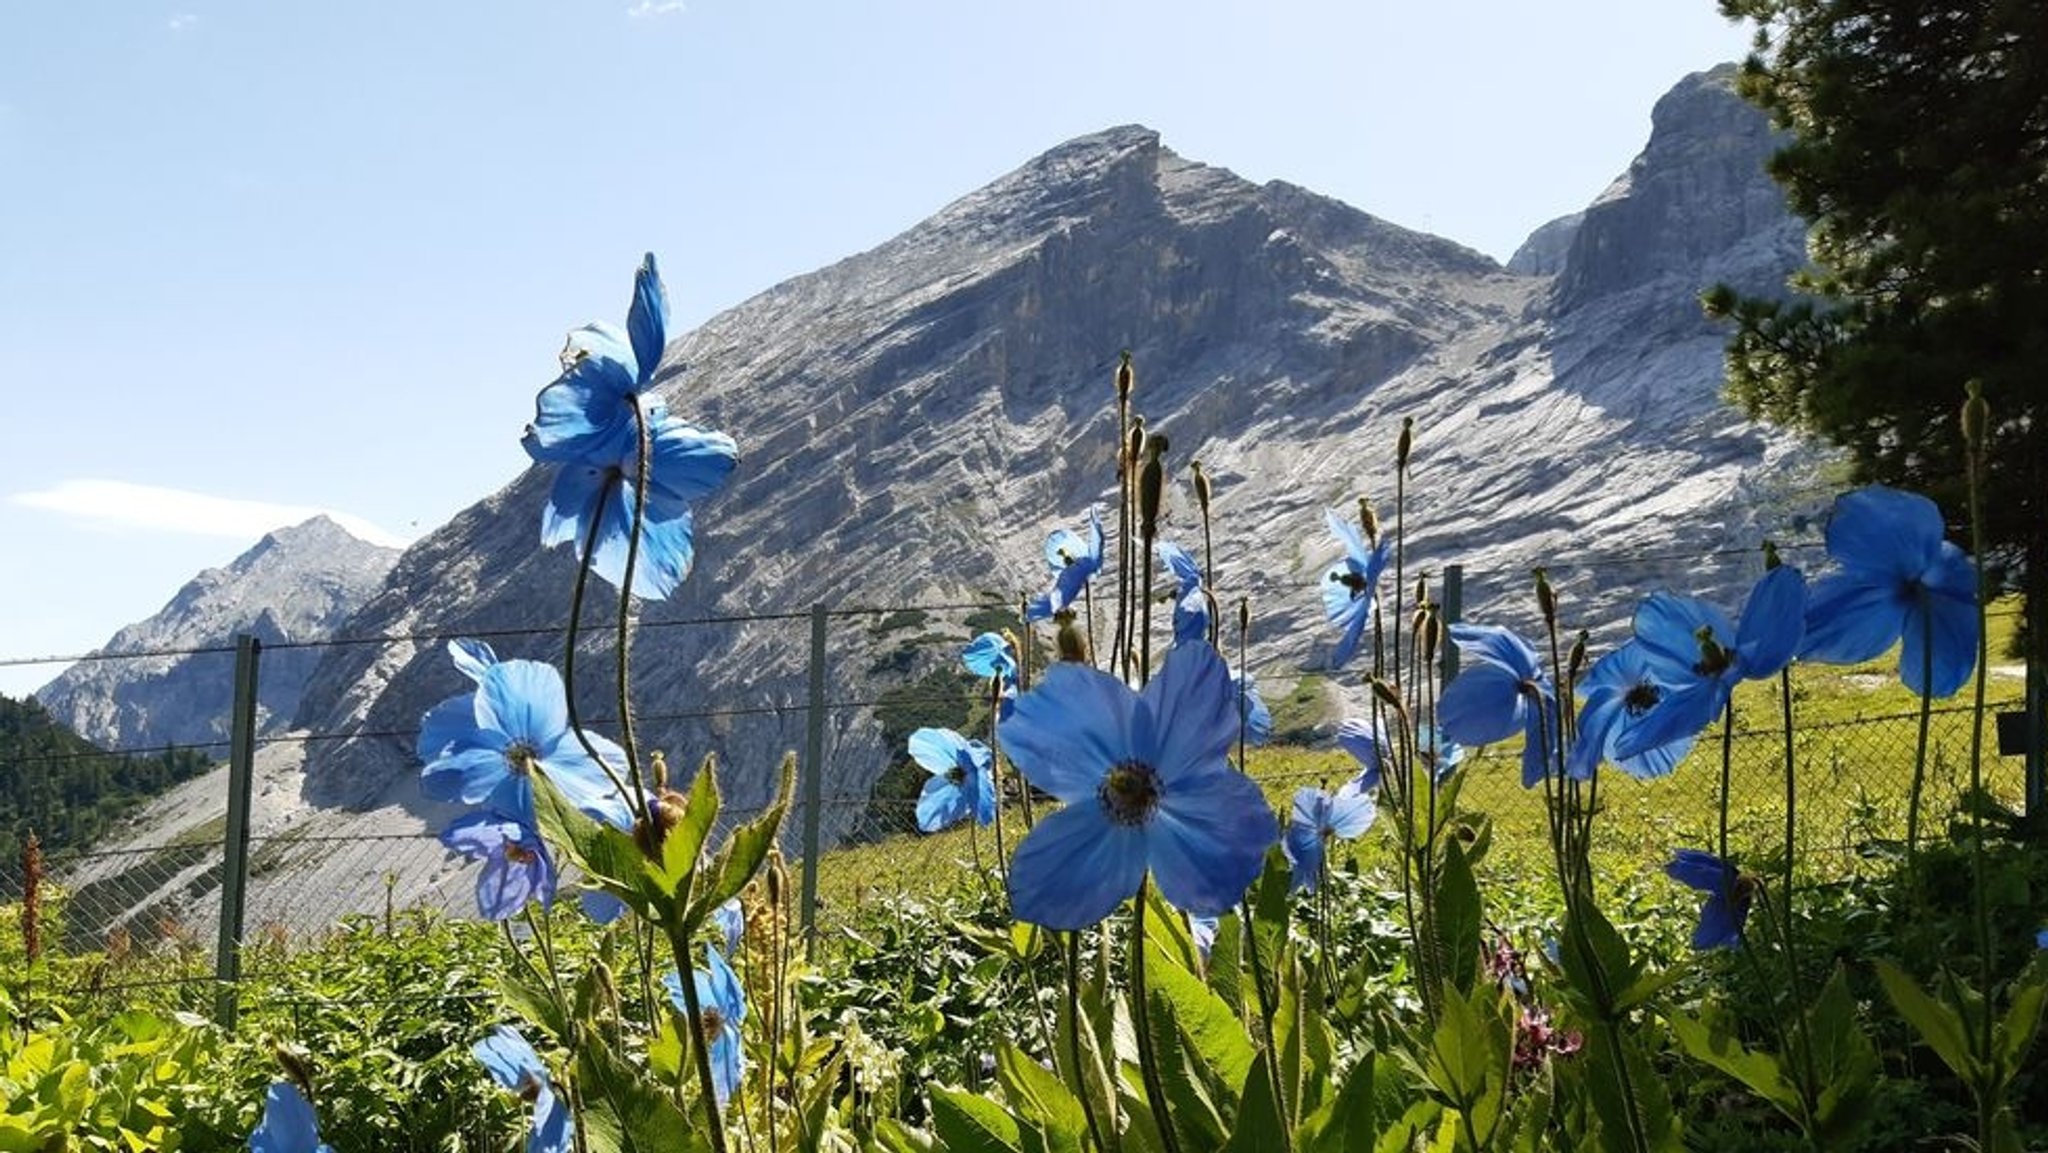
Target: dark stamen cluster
x=1130 y=791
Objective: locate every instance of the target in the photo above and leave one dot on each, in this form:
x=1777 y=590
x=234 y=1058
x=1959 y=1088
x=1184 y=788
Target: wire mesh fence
x=149 y=914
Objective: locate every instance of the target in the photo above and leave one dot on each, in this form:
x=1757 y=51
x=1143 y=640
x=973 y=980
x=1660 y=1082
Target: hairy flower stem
x=576 y=590
x=1973 y=424
x=693 y=1012
x=1074 y=1025
x=995 y=775
x=1791 y=816
x=1141 y=1017
x=1727 y=774
x=1244 y=704
x=1778 y=915
x=625 y=650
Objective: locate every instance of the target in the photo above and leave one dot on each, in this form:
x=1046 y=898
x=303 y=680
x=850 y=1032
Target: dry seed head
x=1546 y=598
x=1576 y=662
x=1072 y=645
x=1368 y=520
x=1406 y=442
x=1976 y=414
x=1202 y=492
x=1151 y=482
x=1125 y=378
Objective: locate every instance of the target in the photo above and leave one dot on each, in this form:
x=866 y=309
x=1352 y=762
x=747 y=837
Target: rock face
x=914 y=419
x=297 y=584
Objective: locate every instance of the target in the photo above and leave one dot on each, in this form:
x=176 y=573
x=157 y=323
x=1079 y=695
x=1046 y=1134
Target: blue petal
x=1496 y=646
x=1338 y=597
x=1539 y=730
x=551 y=1133
x=598 y=338
x=1952 y=625
x=1699 y=869
x=1483 y=704
x=688 y=463
x=1347 y=535
x=940 y=804
x=1354 y=632
x=525 y=701
x=1679 y=716
x=728 y=1065
x=1068 y=732
x=1668 y=626
x=1851 y=618
x=601 y=907
x=1207 y=840
x=582 y=783
x=577 y=497
x=1720 y=925
x=722 y=987
x=586 y=415
x=1352 y=811
x=468 y=775
x=471 y=657
x=1303 y=841
x=1368 y=744
x=647 y=319
x=1075 y=867
x=1258 y=719
x=937 y=750
x=450 y=723
x=988 y=655
x=288 y=1124
x=731 y=919
x=1191 y=713
x=1063 y=548
x=1885 y=532
x=1597 y=718
x=511 y=1062
x=1773 y=623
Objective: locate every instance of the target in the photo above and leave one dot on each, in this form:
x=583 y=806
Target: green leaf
x=1596 y=961
x=608 y=856
x=533 y=1000
x=682 y=845
x=1846 y=1062
x=1190 y=1102
x=1225 y=968
x=1214 y=1030
x=1763 y=1073
x=1458 y=917
x=743 y=852
x=1259 y=1127
x=970 y=1123
x=625 y=1113
x=2022 y=1019
x=1347 y=1121
x=1940 y=1027
x=1626 y=1092
x=1039 y=1097
x=1271 y=908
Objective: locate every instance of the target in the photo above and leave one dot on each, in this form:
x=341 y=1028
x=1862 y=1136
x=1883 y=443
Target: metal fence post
x=814 y=783
x=2037 y=721
x=234 y=871
x=1453 y=612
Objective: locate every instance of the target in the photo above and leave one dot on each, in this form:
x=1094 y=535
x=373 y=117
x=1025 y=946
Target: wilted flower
x=514 y=1065
x=589 y=422
x=962 y=780
x=1726 y=908
x=1350 y=585
x=517 y=867
x=1074 y=561
x=1900 y=580
x=483 y=748
x=288 y=1124
x=1147 y=786
x=1502 y=691
x=1317 y=818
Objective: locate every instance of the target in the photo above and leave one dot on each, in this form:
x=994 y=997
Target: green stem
x=1727 y=774
x=1986 y=945
x=1920 y=743
x=576 y=591
x=700 y=1048
x=646 y=446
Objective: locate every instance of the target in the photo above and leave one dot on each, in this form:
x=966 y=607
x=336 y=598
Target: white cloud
x=644 y=9
x=183 y=20
x=114 y=503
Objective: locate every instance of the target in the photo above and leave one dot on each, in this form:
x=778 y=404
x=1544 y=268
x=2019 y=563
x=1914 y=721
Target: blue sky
x=261 y=259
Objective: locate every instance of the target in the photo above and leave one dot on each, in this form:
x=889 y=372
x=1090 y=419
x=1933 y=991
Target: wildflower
x=721 y=1006
x=991 y=655
x=1350 y=585
x=483 y=748
x=1369 y=745
x=517 y=867
x=1318 y=817
x=731 y=920
x=1190 y=599
x=1537 y=1040
x=1147 y=786
x=514 y=1065
x=1728 y=892
x=962 y=780
x=1441 y=753
x=590 y=422
x=1074 y=562
x=1698 y=656
x=1503 y=689
x=1619 y=691
x=288 y=1124
x=1900 y=580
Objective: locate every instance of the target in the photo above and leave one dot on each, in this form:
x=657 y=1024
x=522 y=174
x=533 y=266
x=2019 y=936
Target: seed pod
x=1125 y=378
x=1073 y=646
x=1151 y=485
x=1976 y=414
x=1202 y=491
x=1406 y=442
x=1546 y=598
x=1771 y=558
x=32 y=897
x=1368 y=520
x=1576 y=662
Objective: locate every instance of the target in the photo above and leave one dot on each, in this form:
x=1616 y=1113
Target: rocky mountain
x=914 y=419
x=296 y=584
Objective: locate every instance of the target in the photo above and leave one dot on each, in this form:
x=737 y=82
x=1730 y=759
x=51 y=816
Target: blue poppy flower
x=1256 y=717
x=1729 y=893
x=1900 y=581
x=1502 y=689
x=471 y=657
x=1350 y=585
x=1619 y=691
x=962 y=780
x=1190 y=599
x=517 y=866
x=514 y=1065
x=731 y=921
x=2041 y=939
x=482 y=748
x=1147 y=787
x=1316 y=819
x=722 y=1005
x=992 y=655
x=288 y=1124
x=588 y=422
x=1074 y=561
x=1698 y=656
x=1369 y=745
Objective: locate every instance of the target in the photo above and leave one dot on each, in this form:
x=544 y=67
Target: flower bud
x=1244 y=615
x=1151 y=485
x=659 y=771
x=1125 y=378
x=1406 y=442
x=1368 y=520
x=1134 y=447
x=1771 y=558
x=1202 y=490
x=1386 y=692
x=1575 y=663
x=1072 y=645
x=778 y=878
x=1976 y=414
x=1546 y=598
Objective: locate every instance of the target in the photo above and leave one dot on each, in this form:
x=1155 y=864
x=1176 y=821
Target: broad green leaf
x=1347 y=1121
x=1259 y=1127
x=1846 y=1061
x=1940 y=1027
x=1038 y=1097
x=1214 y=1030
x=682 y=846
x=533 y=1001
x=1458 y=917
x=1627 y=1095
x=2022 y=1019
x=1190 y=1102
x=969 y=1123
x=743 y=852
x=1225 y=971
x=625 y=1113
x=606 y=855
x=1763 y=1073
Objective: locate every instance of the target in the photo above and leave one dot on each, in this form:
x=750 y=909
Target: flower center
x=1641 y=698
x=519 y=854
x=714 y=1023
x=1350 y=580
x=956 y=775
x=520 y=757
x=1129 y=792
